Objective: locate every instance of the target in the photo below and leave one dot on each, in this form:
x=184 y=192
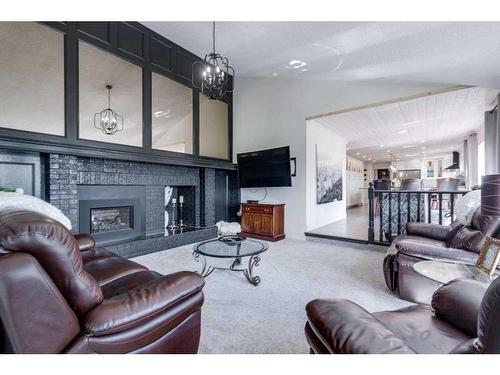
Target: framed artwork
x=328 y=177
x=489 y=256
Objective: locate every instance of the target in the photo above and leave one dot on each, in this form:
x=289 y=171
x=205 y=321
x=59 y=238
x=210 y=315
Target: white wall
x=272 y=112
x=318 y=215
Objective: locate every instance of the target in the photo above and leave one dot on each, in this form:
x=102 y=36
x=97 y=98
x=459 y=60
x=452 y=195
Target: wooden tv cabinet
x=263 y=221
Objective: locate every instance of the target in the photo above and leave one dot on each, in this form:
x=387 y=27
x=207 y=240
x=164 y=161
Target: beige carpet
x=238 y=317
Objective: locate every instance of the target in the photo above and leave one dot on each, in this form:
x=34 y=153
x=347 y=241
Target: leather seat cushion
x=96 y=254
x=419 y=329
x=108 y=269
x=128 y=282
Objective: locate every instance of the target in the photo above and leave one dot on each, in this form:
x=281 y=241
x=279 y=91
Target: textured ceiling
x=429 y=126
x=442 y=52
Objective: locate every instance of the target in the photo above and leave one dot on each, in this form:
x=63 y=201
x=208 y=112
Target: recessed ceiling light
x=275 y=74
x=409 y=146
x=388 y=151
x=402 y=131
x=296 y=64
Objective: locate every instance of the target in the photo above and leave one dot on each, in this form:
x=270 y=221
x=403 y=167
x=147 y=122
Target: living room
x=165 y=191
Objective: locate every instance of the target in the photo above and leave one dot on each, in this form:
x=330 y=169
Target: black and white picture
x=328 y=177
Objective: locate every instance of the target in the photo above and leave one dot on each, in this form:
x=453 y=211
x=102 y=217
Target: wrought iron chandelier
x=215 y=70
x=108 y=121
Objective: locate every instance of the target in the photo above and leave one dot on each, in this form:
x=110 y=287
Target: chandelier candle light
x=215 y=71
x=108 y=121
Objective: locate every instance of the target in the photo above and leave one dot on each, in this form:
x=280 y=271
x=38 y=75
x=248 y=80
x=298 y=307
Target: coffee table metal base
x=235 y=266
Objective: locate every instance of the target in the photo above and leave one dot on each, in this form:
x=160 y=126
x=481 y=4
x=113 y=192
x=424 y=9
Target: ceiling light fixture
x=215 y=70
x=296 y=64
x=108 y=121
x=402 y=131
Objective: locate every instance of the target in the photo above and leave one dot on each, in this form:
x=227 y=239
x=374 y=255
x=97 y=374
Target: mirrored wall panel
x=214 y=128
x=172 y=115
x=31 y=78
x=110 y=98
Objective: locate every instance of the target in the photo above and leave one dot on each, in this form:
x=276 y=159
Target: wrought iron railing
x=390 y=210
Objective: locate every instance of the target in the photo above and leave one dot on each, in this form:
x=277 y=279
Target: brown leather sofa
x=464 y=318
x=60 y=294
x=455 y=243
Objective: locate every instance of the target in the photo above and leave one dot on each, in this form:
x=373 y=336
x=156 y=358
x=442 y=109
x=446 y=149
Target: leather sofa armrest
x=85 y=241
x=434 y=231
x=139 y=305
x=426 y=251
x=346 y=328
x=459 y=302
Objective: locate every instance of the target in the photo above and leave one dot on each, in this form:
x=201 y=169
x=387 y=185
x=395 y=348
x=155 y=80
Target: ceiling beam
x=391 y=101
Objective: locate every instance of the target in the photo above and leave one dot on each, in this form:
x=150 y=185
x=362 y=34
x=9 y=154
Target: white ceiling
x=428 y=126
x=442 y=52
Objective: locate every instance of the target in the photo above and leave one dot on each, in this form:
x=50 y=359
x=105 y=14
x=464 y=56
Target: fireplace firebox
x=112 y=214
x=107 y=219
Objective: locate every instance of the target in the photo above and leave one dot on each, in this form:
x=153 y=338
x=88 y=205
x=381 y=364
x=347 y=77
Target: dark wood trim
x=108 y=40
x=156 y=156
x=196 y=122
x=337 y=238
x=71 y=83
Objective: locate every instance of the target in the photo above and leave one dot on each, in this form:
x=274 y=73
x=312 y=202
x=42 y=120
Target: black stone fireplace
x=112 y=214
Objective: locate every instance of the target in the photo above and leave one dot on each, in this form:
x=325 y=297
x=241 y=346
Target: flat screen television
x=266 y=168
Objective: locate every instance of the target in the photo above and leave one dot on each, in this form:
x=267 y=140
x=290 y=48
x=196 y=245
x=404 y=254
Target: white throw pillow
x=466 y=206
x=30 y=203
x=228 y=229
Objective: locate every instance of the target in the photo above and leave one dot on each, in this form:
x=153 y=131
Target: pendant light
x=212 y=76
x=108 y=121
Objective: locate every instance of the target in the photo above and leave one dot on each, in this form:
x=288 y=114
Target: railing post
x=371 y=214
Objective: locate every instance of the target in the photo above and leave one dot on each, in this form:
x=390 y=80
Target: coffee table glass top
x=230 y=247
x=444 y=272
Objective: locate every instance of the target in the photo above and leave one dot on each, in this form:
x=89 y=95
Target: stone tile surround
x=65 y=172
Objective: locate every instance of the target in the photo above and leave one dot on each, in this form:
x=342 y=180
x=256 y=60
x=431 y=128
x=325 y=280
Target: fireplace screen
x=111 y=219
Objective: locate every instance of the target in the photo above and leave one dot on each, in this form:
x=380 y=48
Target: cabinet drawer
x=258 y=209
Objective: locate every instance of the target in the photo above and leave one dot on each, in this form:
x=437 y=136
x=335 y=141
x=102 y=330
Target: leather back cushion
x=35 y=316
x=454 y=228
x=55 y=248
x=468 y=239
x=489 y=316
x=458 y=302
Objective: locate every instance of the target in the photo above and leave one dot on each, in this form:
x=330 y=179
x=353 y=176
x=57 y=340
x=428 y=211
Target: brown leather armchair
x=60 y=294
x=454 y=243
x=464 y=318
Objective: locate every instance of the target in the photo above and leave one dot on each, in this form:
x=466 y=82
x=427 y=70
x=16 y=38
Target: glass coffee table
x=444 y=272
x=236 y=247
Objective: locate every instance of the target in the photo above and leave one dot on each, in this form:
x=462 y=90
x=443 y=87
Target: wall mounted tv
x=266 y=168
